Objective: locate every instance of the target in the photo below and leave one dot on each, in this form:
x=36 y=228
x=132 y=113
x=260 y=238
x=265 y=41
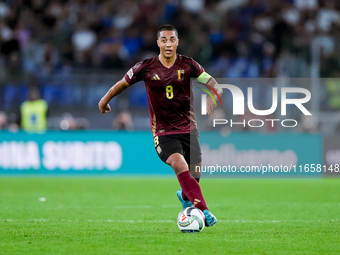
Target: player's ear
x=158 y=43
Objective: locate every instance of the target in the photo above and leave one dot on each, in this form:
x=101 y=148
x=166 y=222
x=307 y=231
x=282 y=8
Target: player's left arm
x=207 y=79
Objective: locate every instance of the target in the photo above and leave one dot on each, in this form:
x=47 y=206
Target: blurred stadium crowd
x=235 y=38
x=56 y=39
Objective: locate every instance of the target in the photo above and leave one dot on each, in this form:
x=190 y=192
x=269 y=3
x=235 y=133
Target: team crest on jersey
x=130 y=73
x=180 y=74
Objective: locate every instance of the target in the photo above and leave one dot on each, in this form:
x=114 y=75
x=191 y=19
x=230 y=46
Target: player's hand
x=210 y=105
x=104 y=108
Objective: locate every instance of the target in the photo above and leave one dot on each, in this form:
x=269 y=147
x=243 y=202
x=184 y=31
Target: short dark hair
x=166 y=27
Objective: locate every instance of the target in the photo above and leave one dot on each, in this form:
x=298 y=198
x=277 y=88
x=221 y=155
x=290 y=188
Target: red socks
x=192 y=190
x=183 y=194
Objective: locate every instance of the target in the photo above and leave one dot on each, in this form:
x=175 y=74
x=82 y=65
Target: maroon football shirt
x=168 y=91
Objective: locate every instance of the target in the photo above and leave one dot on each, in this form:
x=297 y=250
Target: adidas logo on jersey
x=155 y=77
x=196 y=201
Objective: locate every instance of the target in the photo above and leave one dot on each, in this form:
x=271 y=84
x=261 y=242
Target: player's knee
x=174 y=159
x=177 y=163
x=178 y=166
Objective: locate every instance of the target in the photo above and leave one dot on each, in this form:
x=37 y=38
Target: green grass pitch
x=137 y=216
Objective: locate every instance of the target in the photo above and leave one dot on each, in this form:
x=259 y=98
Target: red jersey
x=168 y=91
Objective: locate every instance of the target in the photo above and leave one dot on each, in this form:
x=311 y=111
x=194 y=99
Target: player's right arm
x=132 y=76
x=115 y=90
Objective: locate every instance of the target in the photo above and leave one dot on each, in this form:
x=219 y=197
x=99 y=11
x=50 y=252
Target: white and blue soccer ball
x=191 y=220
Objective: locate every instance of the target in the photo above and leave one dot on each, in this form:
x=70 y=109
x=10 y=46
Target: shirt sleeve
x=198 y=69
x=134 y=74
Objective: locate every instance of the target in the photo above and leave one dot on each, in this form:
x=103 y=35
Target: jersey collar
x=177 y=58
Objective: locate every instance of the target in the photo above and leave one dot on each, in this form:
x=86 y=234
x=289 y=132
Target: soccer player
x=167 y=80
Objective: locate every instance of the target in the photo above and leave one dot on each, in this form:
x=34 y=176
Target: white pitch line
x=101 y=207
x=59 y=207
x=144 y=206
x=132 y=206
x=172 y=221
